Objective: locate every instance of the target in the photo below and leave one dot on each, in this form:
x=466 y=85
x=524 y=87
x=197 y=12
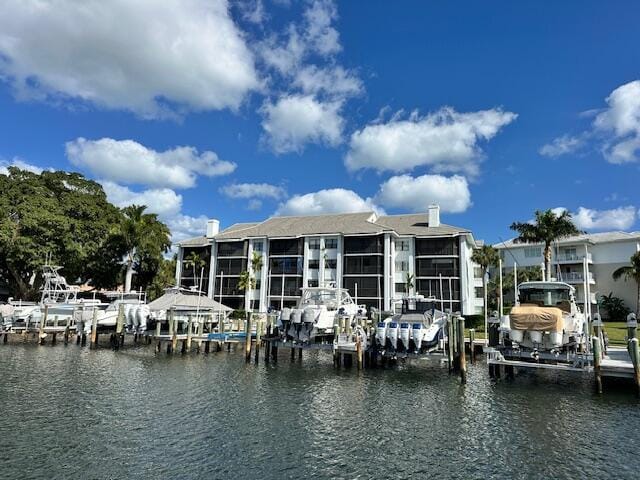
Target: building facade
x=370 y=255
x=604 y=253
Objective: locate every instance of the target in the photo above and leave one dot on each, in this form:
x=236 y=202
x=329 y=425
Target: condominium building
x=604 y=253
x=370 y=255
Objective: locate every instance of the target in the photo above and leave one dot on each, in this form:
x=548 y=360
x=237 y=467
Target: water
x=69 y=412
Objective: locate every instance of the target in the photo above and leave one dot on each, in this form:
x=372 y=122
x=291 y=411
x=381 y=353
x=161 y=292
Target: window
x=312 y=283
x=477 y=272
x=330 y=243
x=314 y=244
x=434 y=267
x=258 y=284
x=230 y=266
x=366 y=286
x=402 y=266
x=401 y=287
x=437 y=246
x=402 y=245
x=432 y=288
x=291 y=246
x=289 y=266
x=258 y=247
x=363 y=245
x=314 y=264
x=292 y=286
x=363 y=265
x=229 y=286
x=532 y=252
x=330 y=263
x=479 y=292
x=231 y=249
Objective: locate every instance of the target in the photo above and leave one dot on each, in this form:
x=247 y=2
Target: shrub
x=616 y=310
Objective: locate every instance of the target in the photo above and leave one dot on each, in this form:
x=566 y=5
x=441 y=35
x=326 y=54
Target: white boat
x=136 y=313
x=418 y=327
x=316 y=313
x=545 y=318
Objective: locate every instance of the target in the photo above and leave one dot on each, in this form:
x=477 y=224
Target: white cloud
x=621 y=218
x=334 y=81
x=254 y=204
x=446 y=141
x=127 y=161
x=622 y=120
x=18 y=163
x=561 y=146
x=253 y=190
x=315 y=35
x=295 y=120
x=139 y=56
x=417 y=193
x=163 y=201
x=253 y=11
x=186 y=226
x=334 y=200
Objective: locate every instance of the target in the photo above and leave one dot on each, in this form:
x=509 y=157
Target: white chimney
x=434 y=215
x=213 y=227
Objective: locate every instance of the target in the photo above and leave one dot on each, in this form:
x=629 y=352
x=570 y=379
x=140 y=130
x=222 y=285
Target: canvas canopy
x=533 y=317
x=186 y=301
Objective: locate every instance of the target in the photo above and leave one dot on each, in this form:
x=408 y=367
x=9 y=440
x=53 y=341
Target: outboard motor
x=285 y=320
x=417 y=333
x=381 y=334
x=296 y=322
x=405 y=335
x=392 y=335
x=308 y=320
x=142 y=316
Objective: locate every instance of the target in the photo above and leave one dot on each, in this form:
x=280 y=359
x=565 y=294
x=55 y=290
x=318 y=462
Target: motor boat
x=418 y=327
x=545 y=318
x=316 y=313
x=136 y=313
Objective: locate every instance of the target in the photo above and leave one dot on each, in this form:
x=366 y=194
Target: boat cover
x=533 y=317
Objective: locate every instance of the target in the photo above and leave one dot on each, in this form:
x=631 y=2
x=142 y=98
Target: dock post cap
x=631 y=320
x=597 y=320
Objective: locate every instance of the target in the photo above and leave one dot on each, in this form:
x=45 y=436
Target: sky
x=240 y=110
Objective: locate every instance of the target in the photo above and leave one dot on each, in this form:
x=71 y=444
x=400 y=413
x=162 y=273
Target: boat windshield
x=546 y=297
x=328 y=297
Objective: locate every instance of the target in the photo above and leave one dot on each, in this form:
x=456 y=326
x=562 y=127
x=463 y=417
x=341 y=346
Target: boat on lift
x=418 y=327
x=316 y=313
x=135 y=309
x=545 y=324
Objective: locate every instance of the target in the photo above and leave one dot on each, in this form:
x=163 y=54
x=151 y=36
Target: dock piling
x=597 y=359
x=247 y=339
x=472 y=345
x=462 y=361
x=94 y=329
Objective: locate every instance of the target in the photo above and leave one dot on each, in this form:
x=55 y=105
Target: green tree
x=526 y=274
x=631 y=272
x=616 y=309
x=246 y=282
x=485 y=256
x=196 y=262
x=547 y=228
x=164 y=278
x=408 y=283
x=145 y=239
x=61 y=215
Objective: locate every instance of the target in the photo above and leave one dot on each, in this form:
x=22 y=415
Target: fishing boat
x=135 y=311
x=316 y=313
x=545 y=325
x=418 y=327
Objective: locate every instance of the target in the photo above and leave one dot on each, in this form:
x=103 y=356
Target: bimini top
x=546 y=286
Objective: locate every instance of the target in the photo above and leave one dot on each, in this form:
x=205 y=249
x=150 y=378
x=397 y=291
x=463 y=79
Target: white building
x=370 y=255
x=604 y=252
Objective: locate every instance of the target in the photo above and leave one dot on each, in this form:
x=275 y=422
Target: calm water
x=68 y=412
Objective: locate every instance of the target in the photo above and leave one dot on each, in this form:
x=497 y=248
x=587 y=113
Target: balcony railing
x=573 y=257
x=574 y=277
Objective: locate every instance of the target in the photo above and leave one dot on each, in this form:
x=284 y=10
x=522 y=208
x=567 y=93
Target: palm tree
x=194 y=260
x=246 y=282
x=256 y=266
x=486 y=256
x=547 y=228
x=631 y=272
x=408 y=283
x=143 y=235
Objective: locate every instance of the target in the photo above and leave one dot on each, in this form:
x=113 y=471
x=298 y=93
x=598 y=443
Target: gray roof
x=185 y=301
x=344 y=223
x=195 y=242
x=592 y=238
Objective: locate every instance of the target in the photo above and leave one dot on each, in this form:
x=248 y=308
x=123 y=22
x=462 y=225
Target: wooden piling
x=472 y=345
x=597 y=358
x=43 y=323
x=94 y=329
x=634 y=352
x=207 y=346
x=247 y=339
x=293 y=353
x=173 y=325
x=450 y=343
x=258 y=339
x=359 y=358
x=67 y=330
x=53 y=338
x=462 y=361
x=189 y=332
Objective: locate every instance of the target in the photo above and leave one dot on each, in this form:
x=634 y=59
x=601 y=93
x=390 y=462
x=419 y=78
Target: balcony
x=575 y=277
x=573 y=258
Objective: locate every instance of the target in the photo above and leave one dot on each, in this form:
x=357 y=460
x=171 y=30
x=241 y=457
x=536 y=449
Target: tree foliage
x=67 y=218
x=614 y=306
x=547 y=228
x=631 y=272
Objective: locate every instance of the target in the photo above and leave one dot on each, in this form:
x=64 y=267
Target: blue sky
x=242 y=110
